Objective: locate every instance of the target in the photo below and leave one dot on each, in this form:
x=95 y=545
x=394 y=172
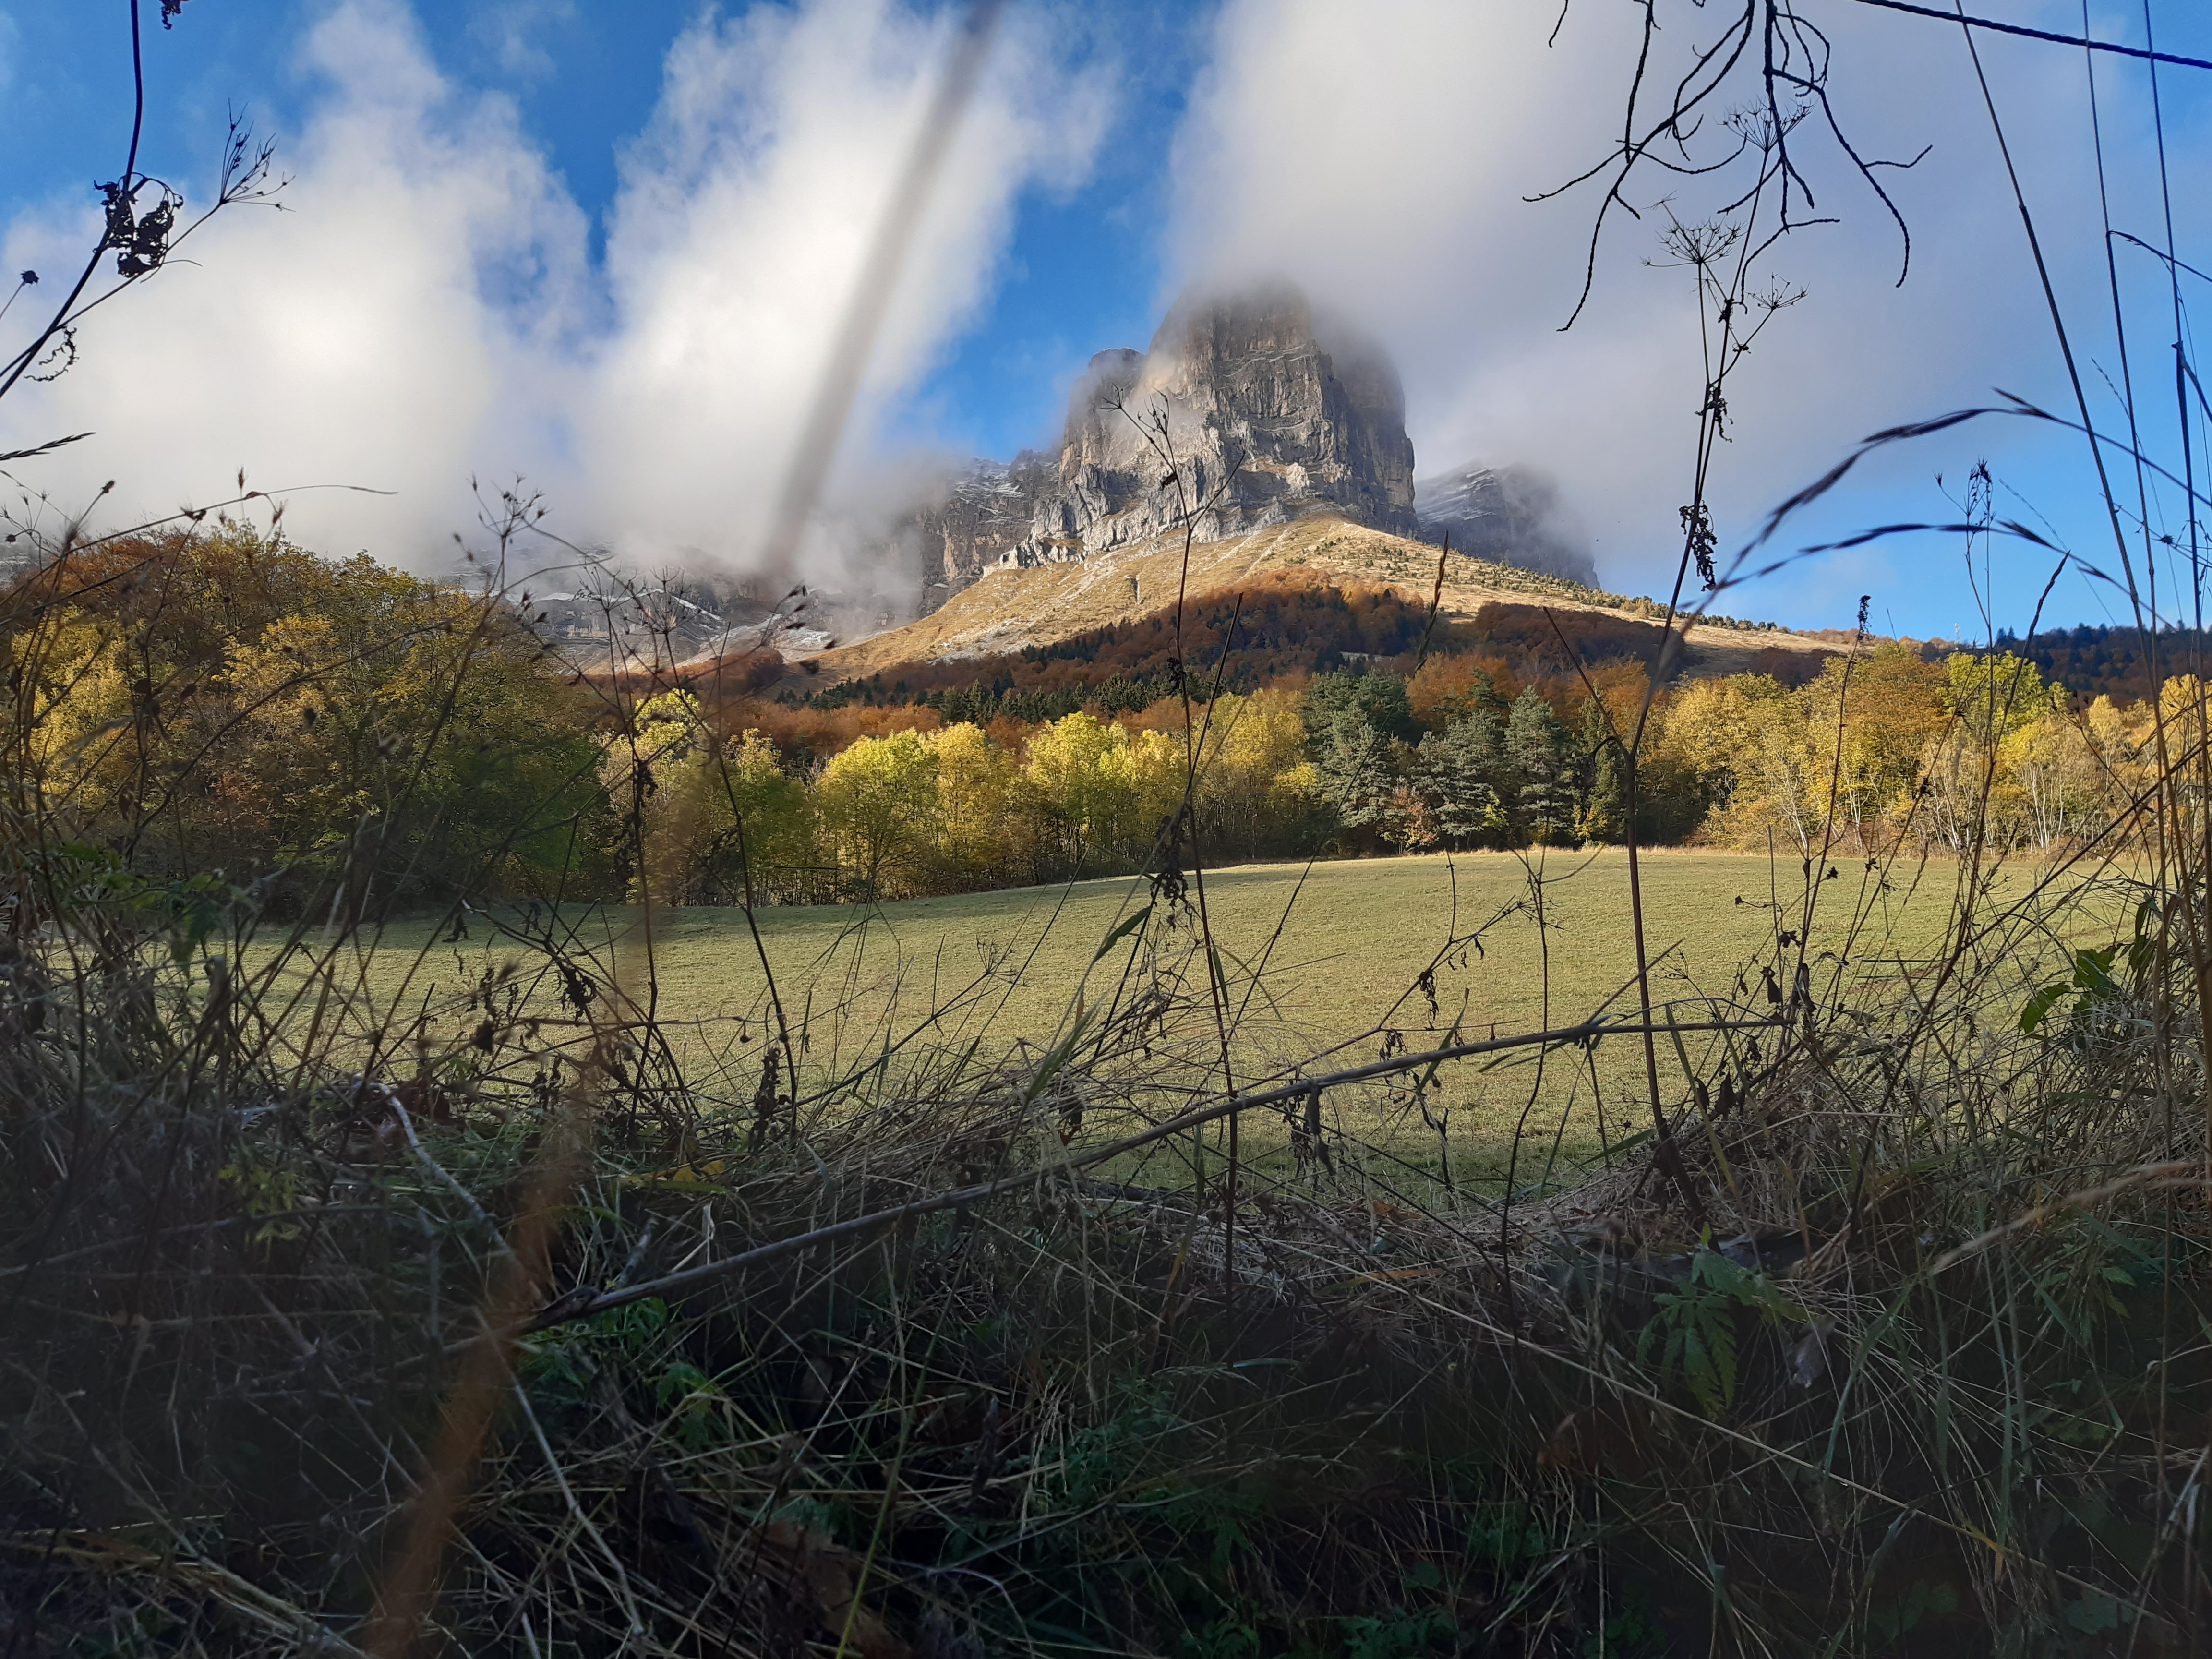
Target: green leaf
x=2093 y=970
x=2041 y=1004
x=1708 y=1360
x=1127 y=928
x=2094 y=1614
x=2144 y=952
x=680 y=1381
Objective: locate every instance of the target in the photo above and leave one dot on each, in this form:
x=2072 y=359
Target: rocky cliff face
x=1246 y=412
x=988 y=507
x=1240 y=416
x=1243 y=414
x=1508 y=513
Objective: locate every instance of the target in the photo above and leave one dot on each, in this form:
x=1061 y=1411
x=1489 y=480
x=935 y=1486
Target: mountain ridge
x=1013 y=607
x=1245 y=412
x=1252 y=436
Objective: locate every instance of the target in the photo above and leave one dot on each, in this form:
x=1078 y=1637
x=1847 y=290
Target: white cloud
x=426 y=310
x=511 y=29
x=746 y=211
x=1383 y=154
x=400 y=311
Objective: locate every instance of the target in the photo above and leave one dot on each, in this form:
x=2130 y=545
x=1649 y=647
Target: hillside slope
x=1011 y=609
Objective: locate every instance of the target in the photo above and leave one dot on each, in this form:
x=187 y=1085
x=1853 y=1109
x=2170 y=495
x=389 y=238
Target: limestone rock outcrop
x=1244 y=413
x=1241 y=415
x=986 y=508
x=1508 y=513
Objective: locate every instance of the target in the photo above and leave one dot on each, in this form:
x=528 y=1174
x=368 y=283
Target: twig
x=2082 y=40
x=576 y=1304
x=1436 y=604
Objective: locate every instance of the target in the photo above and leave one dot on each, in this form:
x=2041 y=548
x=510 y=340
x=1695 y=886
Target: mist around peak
x=1251 y=407
x=1510 y=515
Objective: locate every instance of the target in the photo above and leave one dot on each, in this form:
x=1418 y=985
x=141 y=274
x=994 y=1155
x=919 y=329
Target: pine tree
x=1359 y=770
x=1539 y=751
x=1604 y=817
x=1456 y=771
x=1357 y=729
x=1378 y=700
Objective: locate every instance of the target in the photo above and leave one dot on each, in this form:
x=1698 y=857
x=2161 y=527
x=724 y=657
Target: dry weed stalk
x=969 y=1357
x=846 y=1341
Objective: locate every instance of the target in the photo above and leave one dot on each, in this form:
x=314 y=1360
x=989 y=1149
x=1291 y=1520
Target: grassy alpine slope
x=1010 y=609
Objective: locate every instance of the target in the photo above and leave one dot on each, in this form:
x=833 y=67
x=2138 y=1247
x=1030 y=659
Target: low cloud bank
x=1382 y=156
x=425 y=309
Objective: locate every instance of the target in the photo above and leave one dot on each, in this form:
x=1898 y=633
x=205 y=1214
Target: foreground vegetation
x=429 y=1218
x=1164 y=1265
x=1891 y=1346
x=1319 y=959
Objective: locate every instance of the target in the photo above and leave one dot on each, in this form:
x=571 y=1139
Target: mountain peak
x=1504 y=513
x=1247 y=411
x=1241 y=415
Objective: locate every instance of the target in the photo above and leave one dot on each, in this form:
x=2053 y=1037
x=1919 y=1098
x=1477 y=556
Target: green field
x=1328 y=957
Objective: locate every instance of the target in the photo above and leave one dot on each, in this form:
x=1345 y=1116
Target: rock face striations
x=988 y=507
x=1502 y=512
x=1240 y=416
x=1243 y=414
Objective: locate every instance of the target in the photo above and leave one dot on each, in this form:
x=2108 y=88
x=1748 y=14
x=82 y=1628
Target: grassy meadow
x=1324 y=965
x=394 y=1265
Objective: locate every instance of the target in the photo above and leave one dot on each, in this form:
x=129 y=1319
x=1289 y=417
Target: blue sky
x=594 y=243
x=1085 y=271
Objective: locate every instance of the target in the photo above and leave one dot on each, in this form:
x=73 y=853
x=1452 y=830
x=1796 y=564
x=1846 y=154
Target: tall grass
x=474 y=1317
x=481 y=1319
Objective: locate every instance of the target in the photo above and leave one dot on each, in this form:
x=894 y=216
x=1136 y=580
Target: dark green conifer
x=1542 y=756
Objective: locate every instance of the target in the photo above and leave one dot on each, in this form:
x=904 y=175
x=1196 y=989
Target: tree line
x=229 y=702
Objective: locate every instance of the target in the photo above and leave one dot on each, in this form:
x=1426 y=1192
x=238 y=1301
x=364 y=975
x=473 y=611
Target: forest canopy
x=230 y=702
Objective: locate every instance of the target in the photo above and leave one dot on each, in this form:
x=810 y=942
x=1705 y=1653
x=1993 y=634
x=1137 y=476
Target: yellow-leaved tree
x=978 y=790
x=878 y=807
x=229 y=702
x=709 y=820
x=1258 y=794
x=1094 y=795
